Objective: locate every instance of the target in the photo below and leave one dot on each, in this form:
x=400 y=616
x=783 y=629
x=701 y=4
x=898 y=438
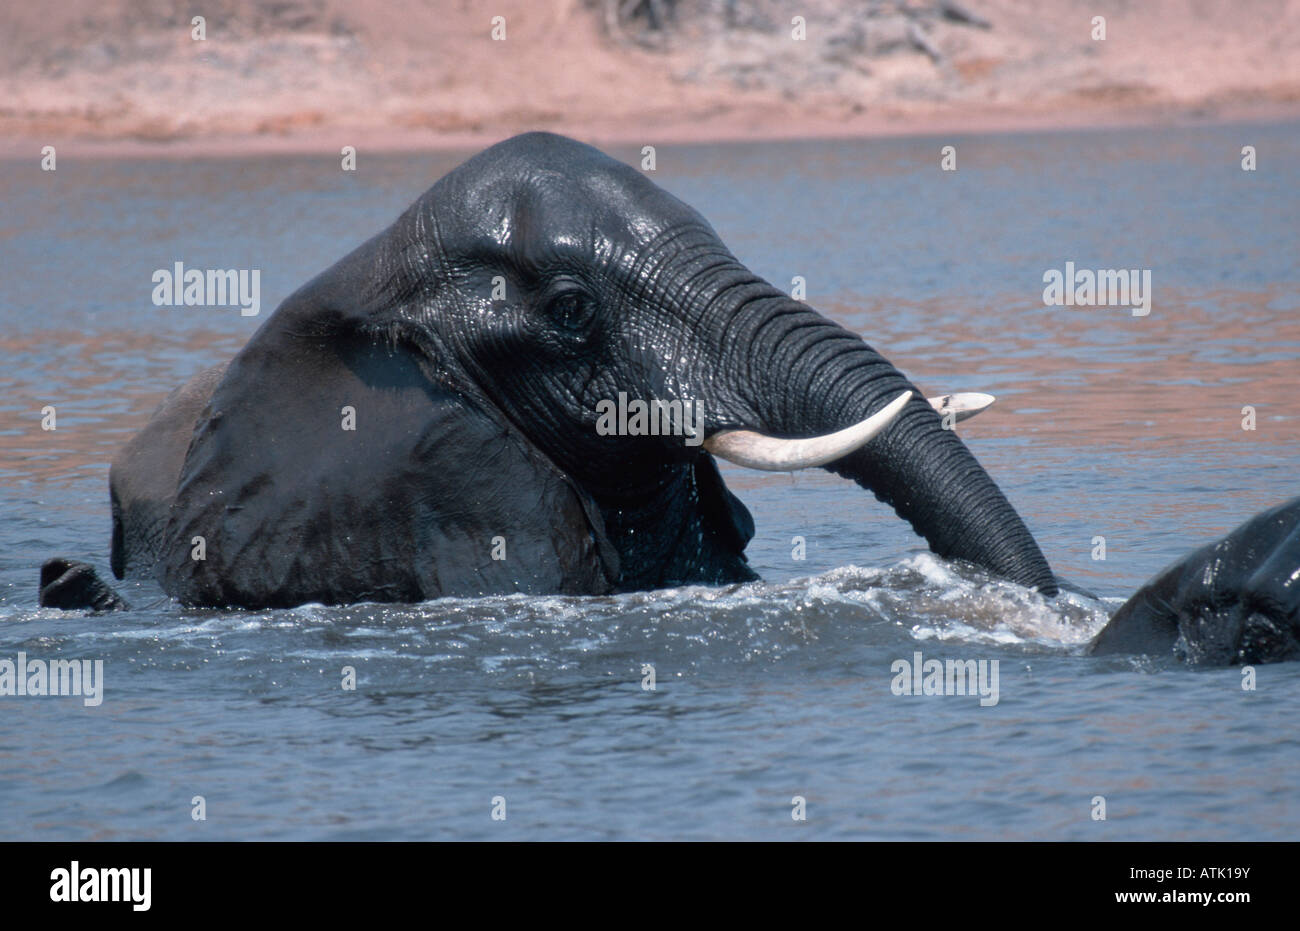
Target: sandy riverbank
x=121 y=77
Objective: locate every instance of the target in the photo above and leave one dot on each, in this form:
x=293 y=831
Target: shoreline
x=734 y=126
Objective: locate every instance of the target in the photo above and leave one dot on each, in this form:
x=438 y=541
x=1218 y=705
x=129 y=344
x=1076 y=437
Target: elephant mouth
x=776 y=454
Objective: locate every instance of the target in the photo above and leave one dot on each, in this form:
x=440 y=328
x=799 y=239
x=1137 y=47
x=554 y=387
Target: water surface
x=1107 y=425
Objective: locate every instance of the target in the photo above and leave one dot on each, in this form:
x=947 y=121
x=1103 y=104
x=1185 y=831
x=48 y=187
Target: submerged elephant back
x=1234 y=600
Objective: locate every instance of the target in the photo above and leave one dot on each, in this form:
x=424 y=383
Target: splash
x=819 y=619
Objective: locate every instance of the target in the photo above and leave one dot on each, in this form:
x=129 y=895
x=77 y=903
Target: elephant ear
x=329 y=466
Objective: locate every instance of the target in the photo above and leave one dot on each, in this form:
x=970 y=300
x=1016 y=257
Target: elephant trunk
x=809 y=376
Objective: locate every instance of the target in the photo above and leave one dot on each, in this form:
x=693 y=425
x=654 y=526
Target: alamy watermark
x=80 y=883
x=59 y=677
x=921 y=676
x=650 y=418
x=1105 y=287
x=212 y=287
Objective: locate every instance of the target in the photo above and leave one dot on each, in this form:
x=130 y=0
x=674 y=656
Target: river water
x=1107 y=425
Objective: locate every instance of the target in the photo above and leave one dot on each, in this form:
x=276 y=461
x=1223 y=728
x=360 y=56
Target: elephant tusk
x=772 y=454
x=964 y=405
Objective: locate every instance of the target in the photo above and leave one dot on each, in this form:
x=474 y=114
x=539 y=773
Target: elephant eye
x=572 y=310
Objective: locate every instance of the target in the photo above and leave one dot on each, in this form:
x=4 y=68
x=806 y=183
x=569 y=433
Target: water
x=1106 y=425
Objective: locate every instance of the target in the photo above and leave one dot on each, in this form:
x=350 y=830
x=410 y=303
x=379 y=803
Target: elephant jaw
x=773 y=454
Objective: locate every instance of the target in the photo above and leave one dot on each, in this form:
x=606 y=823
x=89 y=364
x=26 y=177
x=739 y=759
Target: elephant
x=1233 y=601
x=424 y=418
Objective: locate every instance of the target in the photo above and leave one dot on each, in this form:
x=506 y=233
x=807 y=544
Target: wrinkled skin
x=475 y=414
x=1233 y=601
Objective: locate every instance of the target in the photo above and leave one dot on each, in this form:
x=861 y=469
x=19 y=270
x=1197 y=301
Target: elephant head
x=1235 y=600
x=478 y=342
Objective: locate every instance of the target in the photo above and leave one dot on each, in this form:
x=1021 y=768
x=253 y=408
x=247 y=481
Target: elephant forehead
x=622 y=208
x=572 y=202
